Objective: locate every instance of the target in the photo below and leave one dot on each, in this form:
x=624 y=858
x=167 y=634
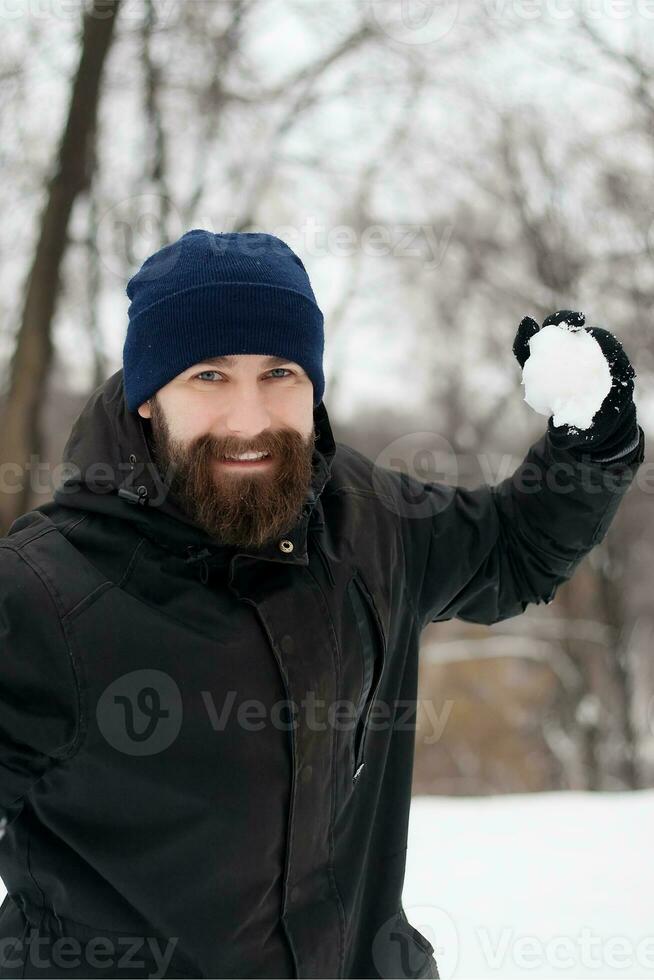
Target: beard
x=242 y=509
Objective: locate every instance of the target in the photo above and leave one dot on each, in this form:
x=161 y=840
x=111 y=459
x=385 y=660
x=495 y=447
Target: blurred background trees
x=441 y=175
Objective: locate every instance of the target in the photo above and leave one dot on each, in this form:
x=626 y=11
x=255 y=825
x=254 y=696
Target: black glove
x=614 y=430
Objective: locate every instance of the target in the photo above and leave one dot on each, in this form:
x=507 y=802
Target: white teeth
x=248 y=456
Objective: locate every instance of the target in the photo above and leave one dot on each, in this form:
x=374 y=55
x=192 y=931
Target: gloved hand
x=614 y=430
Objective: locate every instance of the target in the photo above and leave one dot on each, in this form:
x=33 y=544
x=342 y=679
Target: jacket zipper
x=370 y=687
x=323 y=559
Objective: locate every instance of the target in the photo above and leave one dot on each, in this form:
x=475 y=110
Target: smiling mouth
x=247 y=461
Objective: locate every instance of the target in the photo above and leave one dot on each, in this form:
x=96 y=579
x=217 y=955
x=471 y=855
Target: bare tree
x=33 y=351
x=157 y=161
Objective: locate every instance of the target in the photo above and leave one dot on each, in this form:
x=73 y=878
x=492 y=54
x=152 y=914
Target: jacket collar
x=109 y=469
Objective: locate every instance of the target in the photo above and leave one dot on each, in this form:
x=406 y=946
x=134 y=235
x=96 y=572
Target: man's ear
x=144 y=410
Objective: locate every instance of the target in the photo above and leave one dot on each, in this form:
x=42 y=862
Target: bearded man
x=210 y=640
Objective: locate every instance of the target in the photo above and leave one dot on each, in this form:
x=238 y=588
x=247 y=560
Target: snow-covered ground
x=534 y=885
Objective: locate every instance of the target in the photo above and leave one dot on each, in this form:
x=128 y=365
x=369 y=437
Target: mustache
x=274 y=443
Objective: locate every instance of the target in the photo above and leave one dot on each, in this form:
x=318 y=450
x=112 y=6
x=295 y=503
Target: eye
x=199 y=375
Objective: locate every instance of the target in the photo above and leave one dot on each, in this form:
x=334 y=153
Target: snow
x=566 y=375
x=534 y=885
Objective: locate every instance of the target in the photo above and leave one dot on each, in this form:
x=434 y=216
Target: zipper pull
x=195 y=555
x=140 y=497
x=200 y=556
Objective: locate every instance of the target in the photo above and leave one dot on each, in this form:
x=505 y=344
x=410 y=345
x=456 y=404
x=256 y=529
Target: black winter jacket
x=179 y=796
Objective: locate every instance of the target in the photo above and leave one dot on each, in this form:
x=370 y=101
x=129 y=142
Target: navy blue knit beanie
x=210 y=294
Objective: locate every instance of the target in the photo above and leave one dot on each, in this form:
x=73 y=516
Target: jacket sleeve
x=38 y=690
x=483 y=555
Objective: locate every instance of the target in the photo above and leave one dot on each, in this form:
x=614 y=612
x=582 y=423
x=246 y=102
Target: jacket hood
x=108 y=469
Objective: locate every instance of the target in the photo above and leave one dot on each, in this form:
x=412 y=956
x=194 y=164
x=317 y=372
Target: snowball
x=566 y=375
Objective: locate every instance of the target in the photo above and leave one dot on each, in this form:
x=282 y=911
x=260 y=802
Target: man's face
x=227 y=406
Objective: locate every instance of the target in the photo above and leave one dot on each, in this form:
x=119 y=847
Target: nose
x=247 y=414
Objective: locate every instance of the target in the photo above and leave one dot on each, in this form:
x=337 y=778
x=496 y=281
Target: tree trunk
x=20 y=443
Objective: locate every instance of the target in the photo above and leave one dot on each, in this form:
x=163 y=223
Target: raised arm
x=483 y=555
